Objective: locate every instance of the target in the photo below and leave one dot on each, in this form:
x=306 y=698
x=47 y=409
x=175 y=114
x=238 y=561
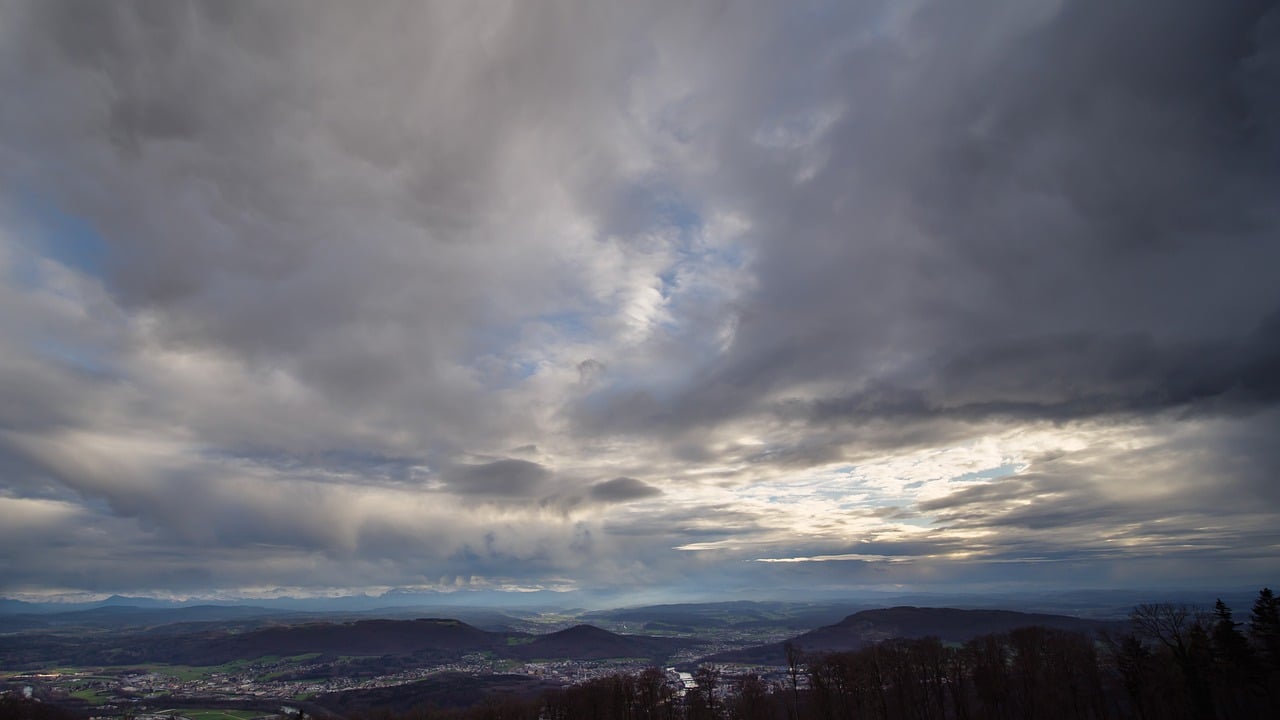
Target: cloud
x=622 y=489
x=282 y=286
x=500 y=477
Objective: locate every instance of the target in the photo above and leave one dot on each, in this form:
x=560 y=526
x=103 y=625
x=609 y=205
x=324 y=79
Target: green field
x=182 y=672
x=209 y=714
x=91 y=696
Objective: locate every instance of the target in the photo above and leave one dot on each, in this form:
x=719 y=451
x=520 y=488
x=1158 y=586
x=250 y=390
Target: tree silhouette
x=794 y=658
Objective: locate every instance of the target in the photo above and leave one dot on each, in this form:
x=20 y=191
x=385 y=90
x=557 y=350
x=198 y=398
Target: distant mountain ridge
x=422 y=639
x=742 y=614
x=1078 y=602
x=120 y=616
x=436 y=635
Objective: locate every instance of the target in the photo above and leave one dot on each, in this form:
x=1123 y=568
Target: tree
x=707 y=679
x=653 y=694
x=1234 y=666
x=1231 y=650
x=989 y=657
x=1264 y=630
x=1264 y=626
x=1133 y=664
x=1180 y=630
x=794 y=658
x=752 y=700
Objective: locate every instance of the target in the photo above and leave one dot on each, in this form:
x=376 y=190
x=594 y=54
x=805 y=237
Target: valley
x=131 y=662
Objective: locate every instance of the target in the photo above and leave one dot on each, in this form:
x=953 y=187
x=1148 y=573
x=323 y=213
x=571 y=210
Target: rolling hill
x=871 y=626
x=587 y=642
x=363 y=637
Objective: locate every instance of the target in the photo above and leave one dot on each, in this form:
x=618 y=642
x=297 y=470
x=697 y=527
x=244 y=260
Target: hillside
x=948 y=624
x=363 y=637
x=586 y=642
x=870 y=626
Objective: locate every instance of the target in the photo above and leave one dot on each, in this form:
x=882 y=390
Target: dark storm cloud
x=1064 y=220
x=622 y=489
x=1081 y=376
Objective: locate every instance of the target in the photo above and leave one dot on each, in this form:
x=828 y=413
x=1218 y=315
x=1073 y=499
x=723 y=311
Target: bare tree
x=1181 y=630
x=794 y=658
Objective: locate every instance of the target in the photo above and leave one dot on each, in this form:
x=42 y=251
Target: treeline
x=1174 y=662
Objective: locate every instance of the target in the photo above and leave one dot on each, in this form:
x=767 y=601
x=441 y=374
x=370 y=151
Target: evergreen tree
x=1230 y=647
x=1264 y=630
x=1264 y=626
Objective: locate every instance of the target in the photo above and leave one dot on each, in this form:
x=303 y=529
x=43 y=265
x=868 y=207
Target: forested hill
x=587 y=642
x=871 y=626
x=364 y=637
x=947 y=624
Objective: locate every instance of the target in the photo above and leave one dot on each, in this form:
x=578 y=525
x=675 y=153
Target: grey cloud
x=701 y=522
x=301 y=231
x=622 y=489
x=1082 y=376
x=509 y=478
x=1040 y=216
x=589 y=371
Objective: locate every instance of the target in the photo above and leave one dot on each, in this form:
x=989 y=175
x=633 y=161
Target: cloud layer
x=306 y=295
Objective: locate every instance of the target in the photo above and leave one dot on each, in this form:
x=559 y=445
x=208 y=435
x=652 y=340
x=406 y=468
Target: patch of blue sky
x=837 y=486
x=876 y=501
x=653 y=203
x=77 y=358
x=999 y=471
x=672 y=211
x=695 y=290
x=503 y=372
x=64 y=237
x=523 y=369
x=504 y=342
x=691 y=259
x=571 y=325
x=836 y=492
x=670 y=279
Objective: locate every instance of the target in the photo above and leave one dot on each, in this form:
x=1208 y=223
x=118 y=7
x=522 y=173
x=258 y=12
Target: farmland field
x=213 y=714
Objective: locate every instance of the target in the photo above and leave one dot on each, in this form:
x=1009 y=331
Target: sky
x=669 y=299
